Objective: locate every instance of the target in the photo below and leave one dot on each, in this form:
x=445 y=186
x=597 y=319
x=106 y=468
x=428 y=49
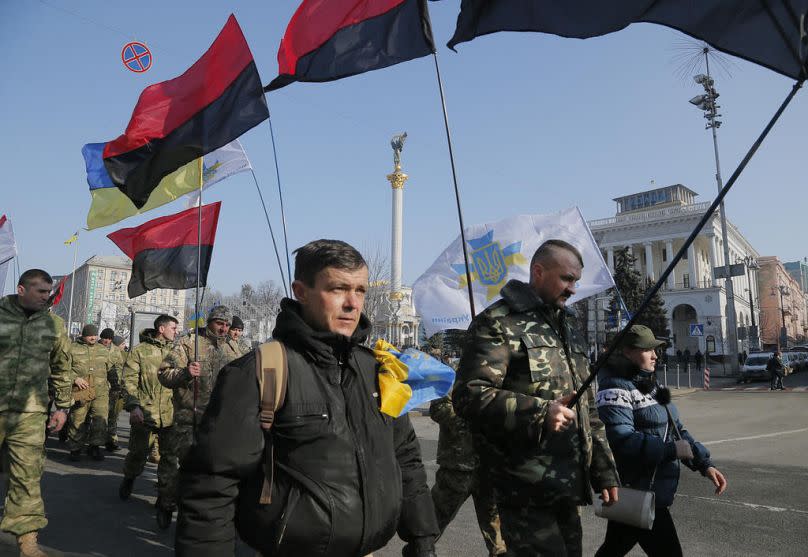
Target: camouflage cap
x=640 y=336
x=220 y=312
x=89 y=330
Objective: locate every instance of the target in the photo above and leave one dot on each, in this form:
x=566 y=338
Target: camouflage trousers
x=452 y=488
x=94 y=413
x=140 y=441
x=180 y=441
x=23 y=433
x=115 y=409
x=532 y=529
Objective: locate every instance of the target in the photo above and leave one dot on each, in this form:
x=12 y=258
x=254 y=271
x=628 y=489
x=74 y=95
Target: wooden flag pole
x=198 y=280
x=690 y=239
x=456 y=188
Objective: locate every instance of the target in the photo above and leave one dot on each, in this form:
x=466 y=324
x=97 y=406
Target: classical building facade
x=654 y=225
x=99 y=296
x=783 y=315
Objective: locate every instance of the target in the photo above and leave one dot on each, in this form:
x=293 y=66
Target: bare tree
x=376 y=300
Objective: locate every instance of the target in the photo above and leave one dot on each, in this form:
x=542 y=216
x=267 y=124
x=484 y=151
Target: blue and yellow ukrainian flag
x=110 y=205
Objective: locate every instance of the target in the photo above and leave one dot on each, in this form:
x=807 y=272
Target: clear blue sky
x=539 y=123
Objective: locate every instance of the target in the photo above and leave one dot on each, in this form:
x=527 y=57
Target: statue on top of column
x=397 y=143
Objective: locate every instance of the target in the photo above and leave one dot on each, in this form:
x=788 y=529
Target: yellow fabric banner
x=110 y=205
x=392 y=374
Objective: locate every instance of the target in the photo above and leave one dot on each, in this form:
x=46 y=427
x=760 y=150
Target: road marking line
x=754 y=506
x=755 y=436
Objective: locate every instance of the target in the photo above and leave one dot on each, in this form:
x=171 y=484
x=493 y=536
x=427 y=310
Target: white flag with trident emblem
x=498 y=252
x=8 y=249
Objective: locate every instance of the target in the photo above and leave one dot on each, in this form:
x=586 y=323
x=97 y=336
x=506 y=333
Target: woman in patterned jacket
x=648 y=441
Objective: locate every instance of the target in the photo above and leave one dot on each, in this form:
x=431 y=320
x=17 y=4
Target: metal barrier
x=706 y=378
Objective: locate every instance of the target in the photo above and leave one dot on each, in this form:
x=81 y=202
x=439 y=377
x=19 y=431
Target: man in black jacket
x=346 y=477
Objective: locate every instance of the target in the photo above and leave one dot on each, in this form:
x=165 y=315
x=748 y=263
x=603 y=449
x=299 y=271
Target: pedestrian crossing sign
x=697 y=329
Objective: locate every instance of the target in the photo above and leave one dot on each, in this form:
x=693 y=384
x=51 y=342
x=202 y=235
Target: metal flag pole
x=704 y=219
x=72 y=284
x=271 y=233
x=456 y=188
x=280 y=198
x=198 y=279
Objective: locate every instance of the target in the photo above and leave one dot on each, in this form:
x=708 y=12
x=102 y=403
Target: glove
x=420 y=547
x=683 y=450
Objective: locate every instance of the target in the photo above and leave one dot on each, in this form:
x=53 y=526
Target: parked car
x=755 y=367
x=798 y=359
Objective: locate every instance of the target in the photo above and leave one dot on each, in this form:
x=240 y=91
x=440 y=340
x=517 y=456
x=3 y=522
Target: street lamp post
x=751 y=265
x=783 y=291
x=706 y=102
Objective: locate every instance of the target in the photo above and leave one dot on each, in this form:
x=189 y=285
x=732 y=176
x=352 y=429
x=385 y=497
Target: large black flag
x=767 y=32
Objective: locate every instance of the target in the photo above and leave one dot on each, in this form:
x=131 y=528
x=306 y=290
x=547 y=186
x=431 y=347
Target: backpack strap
x=272 y=372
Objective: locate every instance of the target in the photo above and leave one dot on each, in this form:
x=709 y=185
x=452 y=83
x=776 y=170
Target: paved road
x=758 y=438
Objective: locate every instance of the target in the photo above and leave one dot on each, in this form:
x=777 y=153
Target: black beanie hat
x=108 y=334
x=237 y=323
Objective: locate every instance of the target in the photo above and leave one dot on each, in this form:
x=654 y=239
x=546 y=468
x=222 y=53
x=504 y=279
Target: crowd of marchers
x=334 y=475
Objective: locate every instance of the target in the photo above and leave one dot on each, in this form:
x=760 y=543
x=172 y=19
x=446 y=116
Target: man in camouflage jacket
x=521 y=363
x=91 y=365
x=180 y=372
x=34 y=350
x=458 y=476
x=236 y=332
x=114 y=378
x=151 y=410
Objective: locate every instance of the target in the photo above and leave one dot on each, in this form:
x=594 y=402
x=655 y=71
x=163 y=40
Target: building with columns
x=654 y=224
x=783 y=316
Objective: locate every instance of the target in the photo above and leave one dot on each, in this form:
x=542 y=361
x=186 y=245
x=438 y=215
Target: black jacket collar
x=323 y=346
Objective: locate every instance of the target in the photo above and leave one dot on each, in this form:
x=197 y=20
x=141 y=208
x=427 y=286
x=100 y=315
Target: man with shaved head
x=522 y=362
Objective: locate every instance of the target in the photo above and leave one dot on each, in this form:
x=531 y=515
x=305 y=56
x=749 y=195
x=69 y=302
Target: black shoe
x=164 y=517
x=95 y=453
x=112 y=446
x=75 y=456
x=125 y=490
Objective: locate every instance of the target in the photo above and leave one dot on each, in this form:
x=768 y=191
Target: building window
x=686 y=280
x=664 y=254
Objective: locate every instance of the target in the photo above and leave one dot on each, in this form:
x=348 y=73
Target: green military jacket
x=141 y=385
x=115 y=376
x=455 y=443
x=91 y=361
x=34 y=350
x=214 y=354
x=520 y=355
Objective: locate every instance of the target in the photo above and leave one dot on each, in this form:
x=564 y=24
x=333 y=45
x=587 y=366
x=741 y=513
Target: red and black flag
x=164 y=250
x=327 y=40
x=764 y=32
x=174 y=122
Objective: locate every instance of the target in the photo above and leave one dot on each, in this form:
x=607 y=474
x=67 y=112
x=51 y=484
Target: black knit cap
x=108 y=334
x=237 y=323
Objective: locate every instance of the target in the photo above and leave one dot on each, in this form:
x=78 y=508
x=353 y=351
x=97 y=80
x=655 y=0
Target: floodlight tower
x=706 y=102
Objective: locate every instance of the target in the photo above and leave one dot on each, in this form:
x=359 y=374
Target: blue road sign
x=697 y=329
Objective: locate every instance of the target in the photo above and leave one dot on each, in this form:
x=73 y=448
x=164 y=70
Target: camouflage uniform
x=34 y=350
x=214 y=354
x=142 y=388
x=458 y=477
x=118 y=357
x=520 y=355
x=92 y=363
